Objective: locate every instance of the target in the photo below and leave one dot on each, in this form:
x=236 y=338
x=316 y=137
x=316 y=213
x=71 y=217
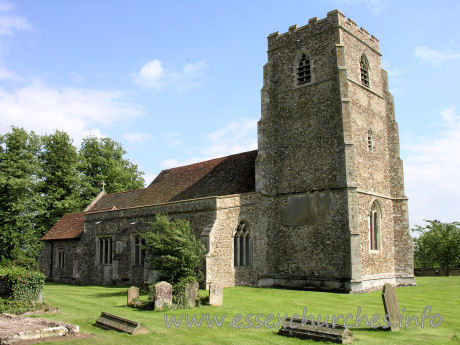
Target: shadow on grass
x=110 y=294
x=370 y=329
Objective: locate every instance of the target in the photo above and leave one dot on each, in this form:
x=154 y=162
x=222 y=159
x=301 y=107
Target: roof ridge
x=208 y=160
x=126 y=191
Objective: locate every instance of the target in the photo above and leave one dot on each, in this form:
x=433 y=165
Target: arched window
x=375 y=217
x=303 y=70
x=364 y=71
x=370 y=140
x=242 y=245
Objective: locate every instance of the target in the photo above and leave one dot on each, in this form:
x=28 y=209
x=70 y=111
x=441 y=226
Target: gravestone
x=294 y=327
x=390 y=304
x=120 y=324
x=163 y=295
x=133 y=294
x=191 y=292
x=215 y=294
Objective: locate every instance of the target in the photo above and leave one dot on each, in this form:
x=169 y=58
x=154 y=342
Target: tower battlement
x=333 y=19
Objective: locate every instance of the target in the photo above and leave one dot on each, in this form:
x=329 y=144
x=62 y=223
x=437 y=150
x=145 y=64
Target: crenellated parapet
x=334 y=19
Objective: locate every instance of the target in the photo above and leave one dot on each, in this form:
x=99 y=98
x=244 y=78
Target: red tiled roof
x=233 y=174
x=119 y=200
x=68 y=227
x=228 y=175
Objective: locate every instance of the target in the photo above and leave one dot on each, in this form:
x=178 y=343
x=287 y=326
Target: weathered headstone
x=294 y=327
x=191 y=292
x=133 y=294
x=120 y=324
x=215 y=294
x=390 y=304
x=163 y=295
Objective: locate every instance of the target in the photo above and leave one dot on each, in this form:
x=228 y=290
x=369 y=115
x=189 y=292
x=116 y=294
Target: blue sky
x=179 y=81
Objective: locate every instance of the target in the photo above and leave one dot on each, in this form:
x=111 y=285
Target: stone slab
x=120 y=324
x=216 y=293
x=390 y=304
x=191 y=292
x=133 y=294
x=163 y=295
x=338 y=334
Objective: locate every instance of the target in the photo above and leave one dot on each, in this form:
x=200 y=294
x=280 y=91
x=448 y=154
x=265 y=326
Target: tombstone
x=133 y=294
x=294 y=327
x=163 y=295
x=390 y=303
x=191 y=292
x=120 y=324
x=215 y=294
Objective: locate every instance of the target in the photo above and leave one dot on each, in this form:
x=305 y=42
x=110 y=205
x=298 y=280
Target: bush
x=22 y=261
x=22 y=285
x=174 y=249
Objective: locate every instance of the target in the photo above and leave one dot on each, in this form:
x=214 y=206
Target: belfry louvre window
x=139 y=251
x=374 y=226
x=242 y=245
x=105 y=250
x=364 y=71
x=304 y=70
x=370 y=140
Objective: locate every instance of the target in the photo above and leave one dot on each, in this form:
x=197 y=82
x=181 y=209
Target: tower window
x=242 y=245
x=364 y=71
x=304 y=70
x=370 y=140
x=374 y=226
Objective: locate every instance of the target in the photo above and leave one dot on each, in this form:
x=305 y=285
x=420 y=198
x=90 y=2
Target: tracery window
x=375 y=217
x=60 y=258
x=139 y=251
x=242 y=245
x=364 y=71
x=304 y=70
x=105 y=250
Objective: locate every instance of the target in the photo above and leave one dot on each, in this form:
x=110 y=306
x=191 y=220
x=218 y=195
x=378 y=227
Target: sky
x=176 y=82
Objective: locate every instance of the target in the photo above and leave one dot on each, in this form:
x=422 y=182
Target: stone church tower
x=328 y=166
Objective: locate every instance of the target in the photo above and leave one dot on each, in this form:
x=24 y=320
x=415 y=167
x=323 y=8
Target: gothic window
x=375 y=217
x=139 y=251
x=364 y=71
x=242 y=245
x=304 y=70
x=370 y=140
x=60 y=258
x=105 y=250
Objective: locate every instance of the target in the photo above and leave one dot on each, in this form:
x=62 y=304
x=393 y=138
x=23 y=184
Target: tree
x=438 y=245
x=101 y=160
x=19 y=198
x=61 y=184
x=174 y=249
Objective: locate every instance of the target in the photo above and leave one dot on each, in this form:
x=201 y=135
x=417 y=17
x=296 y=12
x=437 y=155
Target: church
x=319 y=205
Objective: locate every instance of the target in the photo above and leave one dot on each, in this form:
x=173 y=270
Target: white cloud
x=77 y=111
x=237 y=136
x=137 y=137
x=10 y=23
x=153 y=75
x=433 y=55
x=432 y=170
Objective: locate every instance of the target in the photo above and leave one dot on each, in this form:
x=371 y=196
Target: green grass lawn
x=82 y=305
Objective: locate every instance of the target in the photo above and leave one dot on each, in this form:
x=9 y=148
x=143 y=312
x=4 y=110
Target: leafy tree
x=174 y=249
x=438 y=245
x=61 y=183
x=101 y=160
x=19 y=198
